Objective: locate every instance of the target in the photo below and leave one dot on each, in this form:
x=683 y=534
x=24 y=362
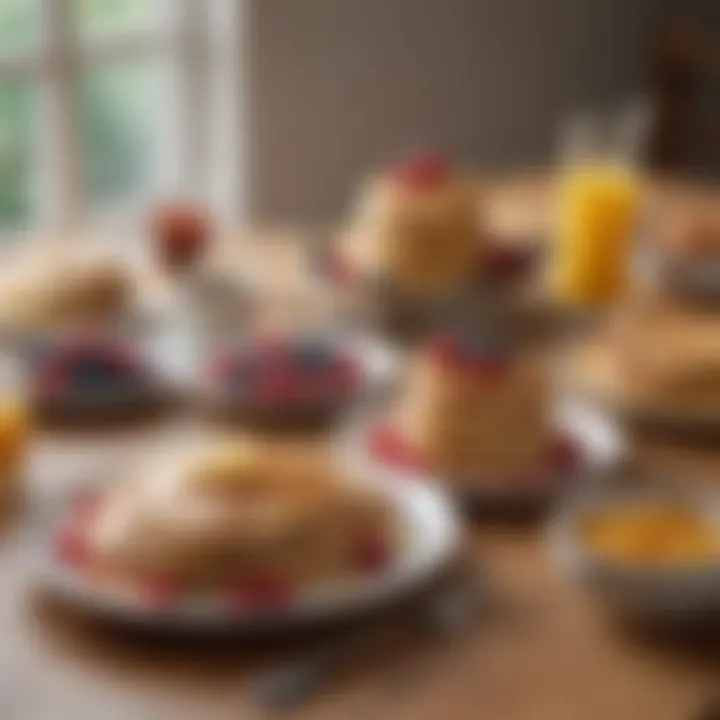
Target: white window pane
x=102 y=18
x=18 y=103
x=120 y=129
x=19 y=25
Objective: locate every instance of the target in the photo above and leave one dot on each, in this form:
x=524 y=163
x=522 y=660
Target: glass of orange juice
x=598 y=206
x=14 y=426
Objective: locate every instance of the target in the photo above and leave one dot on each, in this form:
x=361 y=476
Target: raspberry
x=160 y=590
x=261 y=592
x=486 y=369
x=446 y=349
x=341 y=271
x=371 y=554
x=565 y=453
x=423 y=172
x=388 y=445
x=71 y=547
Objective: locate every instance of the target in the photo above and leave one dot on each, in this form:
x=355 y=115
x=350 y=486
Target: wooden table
x=544 y=652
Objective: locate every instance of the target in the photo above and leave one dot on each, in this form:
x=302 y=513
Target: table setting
x=431 y=476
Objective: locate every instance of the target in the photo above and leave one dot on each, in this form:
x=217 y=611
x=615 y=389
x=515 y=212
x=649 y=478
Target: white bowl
x=653 y=593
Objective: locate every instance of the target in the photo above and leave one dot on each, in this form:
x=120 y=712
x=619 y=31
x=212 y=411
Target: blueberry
x=313 y=354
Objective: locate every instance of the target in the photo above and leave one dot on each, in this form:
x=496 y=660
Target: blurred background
x=270 y=110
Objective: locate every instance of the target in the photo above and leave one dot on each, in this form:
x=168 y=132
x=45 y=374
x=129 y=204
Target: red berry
x=181 y=231
x=160 y=590
x=504 y=262
x=261 y=592
x=446 y=350
x=274 y=387
x=86 y=507
x=346 y=373
x=565 y=453
x=424 y=171
x=221 y=368
x=341 y=271
x=388 y=445
x=53 y=380
x=371 y=554
x=71 y=547
x=486 y=369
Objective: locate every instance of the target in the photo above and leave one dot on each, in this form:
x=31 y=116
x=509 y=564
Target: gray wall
x=339 y=86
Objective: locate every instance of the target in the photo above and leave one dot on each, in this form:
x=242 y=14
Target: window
x=106 y=103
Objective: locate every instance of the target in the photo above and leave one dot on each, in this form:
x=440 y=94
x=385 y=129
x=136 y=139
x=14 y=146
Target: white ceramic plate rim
x=603 y=447
x=433 y=535
x=176 y=356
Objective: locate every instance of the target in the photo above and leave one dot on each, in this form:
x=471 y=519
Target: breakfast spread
x=283 y=379
x=255 y=520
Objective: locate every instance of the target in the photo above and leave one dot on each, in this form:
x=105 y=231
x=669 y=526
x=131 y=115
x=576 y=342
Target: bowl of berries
x=90 y=378
x=288 y=381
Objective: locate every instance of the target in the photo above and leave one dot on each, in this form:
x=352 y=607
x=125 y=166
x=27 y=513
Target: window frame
x=202 y=80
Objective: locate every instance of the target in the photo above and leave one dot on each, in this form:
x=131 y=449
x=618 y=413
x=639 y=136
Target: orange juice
x=14 y=434
x=598 y=209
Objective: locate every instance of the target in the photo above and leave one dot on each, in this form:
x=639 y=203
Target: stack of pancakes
x=417 y=228
x=240 y=510
x=477 y=419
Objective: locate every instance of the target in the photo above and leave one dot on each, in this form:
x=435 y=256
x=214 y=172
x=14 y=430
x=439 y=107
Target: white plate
x=693 y=278
x=431 y=537
x=588 y=377
x=600 y=443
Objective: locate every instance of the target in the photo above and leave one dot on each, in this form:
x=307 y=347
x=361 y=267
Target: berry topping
x=565 y=453
x=423 y=172
x=160 y=590
x=340 y=269
x=371 y=554
x=313 y=354
x=482 y=355
x=71 y=547
x=487 y=368
x=346 y=372
x=52 y=380
x=289 y=370
x=261 y=592
x=221 y=367
x=86 y=507
x=273 y=387
x=505 y=262
x=182 y=232
x=87 y=364
x=388 y=445
x=446 y=350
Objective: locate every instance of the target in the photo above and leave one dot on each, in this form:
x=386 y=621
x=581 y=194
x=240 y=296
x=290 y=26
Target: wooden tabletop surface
x=542 y=651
